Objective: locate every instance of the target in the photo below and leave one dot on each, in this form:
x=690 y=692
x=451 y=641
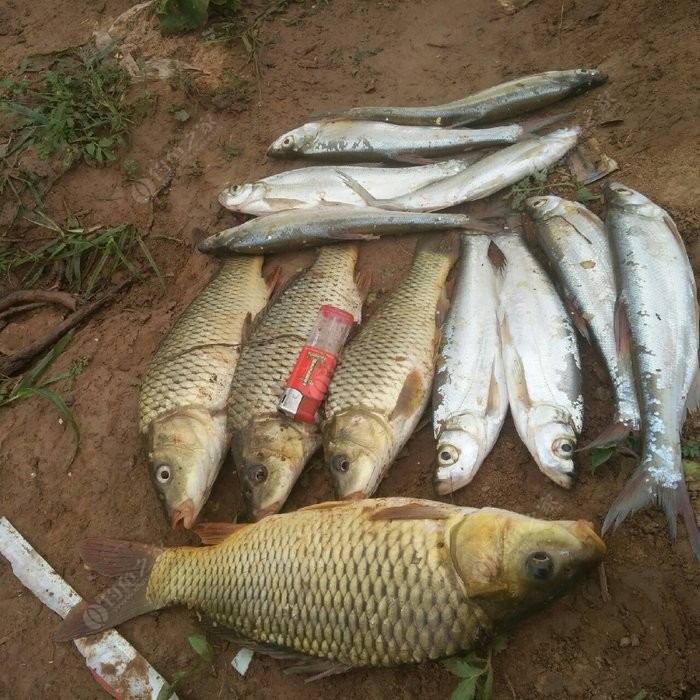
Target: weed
x=87 y=257
x=175 y=16
x=230 y=152
x=75 y=110
x=28 y=385
x=201 y=646
x=475 y=673
x=132 y=169
x=690 y=449
x=180 y=113
x=194 y=169
x=539 y=183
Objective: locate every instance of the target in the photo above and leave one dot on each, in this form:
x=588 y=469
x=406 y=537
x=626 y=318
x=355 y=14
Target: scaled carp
x=182 y=407
x=270 y=449
x=339 y=585
x=382 y=384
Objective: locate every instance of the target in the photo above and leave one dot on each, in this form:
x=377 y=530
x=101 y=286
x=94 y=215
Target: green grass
x=540 y=183
x=86 y=258
x=30 y=384
x=204 y=650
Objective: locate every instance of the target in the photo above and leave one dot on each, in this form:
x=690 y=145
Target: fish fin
x=642 y=489
x=494 y=396
x=410 y=158
x=363 y=282
x=356 y=187
x=622 y=331
x=420 y=510
x=518 y=370
x=215 y=533
x=273 y=279
x=132 y=563
x=350 y=236
x=326 y=505
x=445 y=244
x=411 y=396
x=618 y=431
x=302 y=663
x=692 y=402
x=534 y=125
x=577 y=318
x=496 y=257
x=443 y=306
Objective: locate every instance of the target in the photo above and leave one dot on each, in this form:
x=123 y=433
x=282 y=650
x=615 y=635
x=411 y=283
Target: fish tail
x=640 y=490
x=131 y=564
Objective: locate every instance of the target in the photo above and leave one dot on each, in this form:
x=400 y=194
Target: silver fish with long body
x=485 y=177
x=659 y=317
x=577 y=245
x=541 y=359
x=323 y=185
x=306 y=228
x=470 y=398
x=360 y=140
x=502 y=101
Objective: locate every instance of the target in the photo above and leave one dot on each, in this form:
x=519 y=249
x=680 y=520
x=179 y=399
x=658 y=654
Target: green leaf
x=691 y=469
x=200 y=644
x=583 y=195
x=182 y=115
x=499 y=643
x=486 y=691
x=640 y=695
x=182 y=15
x=463 y=668
x=31 y=377
x=600 y=455
x=166 y=692
x=465 y=690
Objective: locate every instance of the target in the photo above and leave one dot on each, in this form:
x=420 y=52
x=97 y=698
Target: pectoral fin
x=411 y=398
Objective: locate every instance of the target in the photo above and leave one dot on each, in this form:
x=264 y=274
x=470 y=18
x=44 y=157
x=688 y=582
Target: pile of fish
x=508 y=338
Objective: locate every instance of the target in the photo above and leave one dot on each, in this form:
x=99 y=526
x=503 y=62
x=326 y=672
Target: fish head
x=356 y=445
x=510 y=563
x=459 y=456
x=590 y=77
x=553 y=438
x=237 y=197
x=541 y=208
x=269 y=456
x=293 y=141
x=185 y=452
x=620 y=196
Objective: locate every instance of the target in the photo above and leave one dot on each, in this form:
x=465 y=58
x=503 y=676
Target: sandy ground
x=317 y=57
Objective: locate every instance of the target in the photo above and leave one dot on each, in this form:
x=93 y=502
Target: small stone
x=634 y=640
x=625 y=642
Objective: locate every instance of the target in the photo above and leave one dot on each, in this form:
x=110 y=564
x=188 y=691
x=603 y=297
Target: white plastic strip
x=114 y=663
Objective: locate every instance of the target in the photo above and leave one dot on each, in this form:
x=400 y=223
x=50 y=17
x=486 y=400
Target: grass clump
x=204 y=650
x=475 y=673
x=85 y=258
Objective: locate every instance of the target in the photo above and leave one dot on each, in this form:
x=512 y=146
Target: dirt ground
x=316 y=57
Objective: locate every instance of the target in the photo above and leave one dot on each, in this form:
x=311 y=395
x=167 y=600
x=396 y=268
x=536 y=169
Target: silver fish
x=659 y=322
x=577 y=244
x=543 y=368
x=369 y=140
x=502 y=101
x=306 y=228
x=304 y=188
x=485 y=177
x=470 y=398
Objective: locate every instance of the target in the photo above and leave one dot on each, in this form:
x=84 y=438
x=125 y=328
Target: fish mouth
x=184 y=514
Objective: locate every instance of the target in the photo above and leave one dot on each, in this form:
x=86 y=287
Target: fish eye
x=260 y=474
x=340 y=463
x=563 y=447
x=539 y=202
x=234 y=188
x=447 y=455
x=288 y=141
x=539 y=566
x=163 y=474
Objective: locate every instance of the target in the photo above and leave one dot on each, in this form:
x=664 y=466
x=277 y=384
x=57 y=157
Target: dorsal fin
x=419 y=510
x=326 y=505
x=215 y=533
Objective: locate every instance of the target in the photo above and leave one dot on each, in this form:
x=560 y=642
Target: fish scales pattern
x=356 y=591
x=193 y=365
x=270 y=355
x=398 y=338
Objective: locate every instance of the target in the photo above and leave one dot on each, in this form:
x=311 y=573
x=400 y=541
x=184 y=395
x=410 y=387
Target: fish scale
x=262 y=437
x=382 y=383
x=395 y=609
x=204 y=344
